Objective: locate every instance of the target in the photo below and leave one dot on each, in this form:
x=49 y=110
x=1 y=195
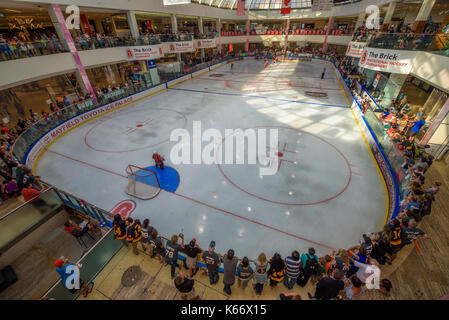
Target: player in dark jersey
x=119 y=227
x=134 y=233
x=156 y=246
x=395 y=236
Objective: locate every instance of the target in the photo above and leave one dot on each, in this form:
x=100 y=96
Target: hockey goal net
x=142 y=183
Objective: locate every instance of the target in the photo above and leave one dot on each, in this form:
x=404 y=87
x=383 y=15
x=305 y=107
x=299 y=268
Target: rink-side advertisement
x=381 y=161
x=393 y=61
x=144 y=52
x=355 y=49
x=60 y=130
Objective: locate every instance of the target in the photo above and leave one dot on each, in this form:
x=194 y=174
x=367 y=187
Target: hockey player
x=232 y=66
x=158 y=160
x=266 y=63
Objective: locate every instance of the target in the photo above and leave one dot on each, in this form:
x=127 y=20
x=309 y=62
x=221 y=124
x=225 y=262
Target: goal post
x=142 y=183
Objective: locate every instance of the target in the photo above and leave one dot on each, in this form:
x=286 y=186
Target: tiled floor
x=414 y=275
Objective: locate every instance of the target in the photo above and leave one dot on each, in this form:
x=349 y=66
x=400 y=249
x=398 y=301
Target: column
x=393 y=87
x=287 y=30
x=174 y=28
x=81 y=72
x=360 y=20
x=327 y=34
x=57 y=27
x=201 y=31
x=423 y=15
x=388 y=15
x=132 y=23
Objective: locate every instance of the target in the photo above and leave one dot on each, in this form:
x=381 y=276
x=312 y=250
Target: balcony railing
x=434 y=43
x=25 y=141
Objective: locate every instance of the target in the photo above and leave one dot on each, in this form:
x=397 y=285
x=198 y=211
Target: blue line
x=261 y=97
x=393 y=175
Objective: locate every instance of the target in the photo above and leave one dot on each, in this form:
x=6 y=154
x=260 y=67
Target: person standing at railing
x=31 y=194
x=133 y=233
x=119 y=227
x=70 y=278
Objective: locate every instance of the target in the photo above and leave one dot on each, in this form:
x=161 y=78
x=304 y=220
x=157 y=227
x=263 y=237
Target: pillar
x=174 y=24
x=393 y=87
x=80 y=72
x=423 y=15
x=57 y=27
x=360 y=20
x=80 y=81
x=327 y=34
x=201 y=31
x=174 y=29
x=132 y=23
x=388 y=15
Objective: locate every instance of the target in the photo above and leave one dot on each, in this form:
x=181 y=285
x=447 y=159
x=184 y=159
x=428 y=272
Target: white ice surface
x=334 y=203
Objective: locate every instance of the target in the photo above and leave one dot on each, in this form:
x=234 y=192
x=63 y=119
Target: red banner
x=240 y=7
x=286 y=7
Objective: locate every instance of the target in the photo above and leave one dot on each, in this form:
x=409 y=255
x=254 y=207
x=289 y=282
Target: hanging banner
x=286 y=7
x=240 y=7
x=393 y=61
x=376 y=80
x=68 y=38
x=355 y=49
x=205 y=43
x=144 y=52
x=178 y=47
x=151 y=64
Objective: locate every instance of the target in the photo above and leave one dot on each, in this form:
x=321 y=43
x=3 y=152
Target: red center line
x=270 y=82
x=201 y=203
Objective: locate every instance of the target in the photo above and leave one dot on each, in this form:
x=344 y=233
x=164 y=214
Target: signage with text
x=144 y=52
x=393 y=61
x=355 y=49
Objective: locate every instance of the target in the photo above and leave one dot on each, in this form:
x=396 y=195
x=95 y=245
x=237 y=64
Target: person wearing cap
x=192 y=250
x=212 y=261
x=69 y=273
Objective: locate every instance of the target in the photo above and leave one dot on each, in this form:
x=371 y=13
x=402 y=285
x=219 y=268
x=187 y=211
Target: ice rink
x=327 y=192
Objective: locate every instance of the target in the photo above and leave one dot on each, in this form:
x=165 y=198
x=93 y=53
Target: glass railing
x=92 y=263
x=11 y=51
x=435 y=43
x=25 y=141
x=22 y=220
x=362 y=36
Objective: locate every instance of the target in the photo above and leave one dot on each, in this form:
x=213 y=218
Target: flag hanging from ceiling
x=240 y=7
x=286 y=7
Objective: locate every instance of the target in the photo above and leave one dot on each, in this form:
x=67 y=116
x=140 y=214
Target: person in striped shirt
x=292 y=269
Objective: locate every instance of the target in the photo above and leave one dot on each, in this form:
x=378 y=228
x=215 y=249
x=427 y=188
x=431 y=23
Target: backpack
x=311 y=265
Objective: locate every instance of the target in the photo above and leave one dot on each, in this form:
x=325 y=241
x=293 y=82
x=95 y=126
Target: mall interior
x=50 y=73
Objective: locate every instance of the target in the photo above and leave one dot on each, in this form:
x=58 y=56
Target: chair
x=80 y=240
